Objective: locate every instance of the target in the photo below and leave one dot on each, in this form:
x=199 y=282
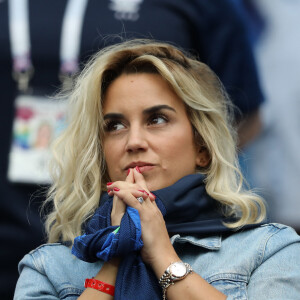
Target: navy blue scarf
x=186 y=208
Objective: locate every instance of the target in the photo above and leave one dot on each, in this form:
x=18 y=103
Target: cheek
x=179 y=149
x=111 y=155
x=106 y=152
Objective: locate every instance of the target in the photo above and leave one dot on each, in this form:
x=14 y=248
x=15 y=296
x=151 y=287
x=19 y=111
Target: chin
x=157 y=185
x=151 y=185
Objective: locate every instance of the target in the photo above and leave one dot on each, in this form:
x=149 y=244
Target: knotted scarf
x=186 y=208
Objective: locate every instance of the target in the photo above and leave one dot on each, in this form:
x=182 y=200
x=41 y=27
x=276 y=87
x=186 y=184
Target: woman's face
x=146 y=125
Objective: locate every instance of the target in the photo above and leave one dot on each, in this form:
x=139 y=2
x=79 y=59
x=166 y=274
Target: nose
x=136 y=139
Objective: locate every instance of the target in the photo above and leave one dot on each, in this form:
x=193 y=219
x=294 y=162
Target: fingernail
x=128 y=171
x=138 y=169
x=109 y=183
x=116 y=189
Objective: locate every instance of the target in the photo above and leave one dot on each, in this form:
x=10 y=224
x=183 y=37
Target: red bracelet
x=100 y=286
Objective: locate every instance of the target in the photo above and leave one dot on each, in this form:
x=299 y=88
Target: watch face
x=178 y=269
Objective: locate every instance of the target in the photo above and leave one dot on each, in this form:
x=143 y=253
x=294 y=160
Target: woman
x=150 y=132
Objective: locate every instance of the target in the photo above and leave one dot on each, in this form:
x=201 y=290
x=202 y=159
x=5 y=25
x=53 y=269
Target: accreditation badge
x=38 y=121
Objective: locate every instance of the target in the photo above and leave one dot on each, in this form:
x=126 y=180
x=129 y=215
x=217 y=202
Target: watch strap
x=166 y=279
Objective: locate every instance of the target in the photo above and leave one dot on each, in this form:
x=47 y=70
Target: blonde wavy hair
x=78 y=168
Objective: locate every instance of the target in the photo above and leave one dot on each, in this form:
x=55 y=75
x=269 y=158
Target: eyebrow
x=146 y=111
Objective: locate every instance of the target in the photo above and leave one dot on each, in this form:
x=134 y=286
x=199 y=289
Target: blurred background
x=274 y=160
x=253 y=46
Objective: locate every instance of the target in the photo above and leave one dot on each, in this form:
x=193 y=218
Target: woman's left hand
x=157 y=245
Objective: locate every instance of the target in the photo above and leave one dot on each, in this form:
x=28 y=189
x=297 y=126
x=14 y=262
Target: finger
x=124 y=185
x=119 y=206
x=130 y=176
x=129 y=184
x=140 y=180
x=129 y=197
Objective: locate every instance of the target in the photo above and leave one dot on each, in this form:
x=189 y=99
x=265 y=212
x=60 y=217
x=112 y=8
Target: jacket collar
x=211 y=243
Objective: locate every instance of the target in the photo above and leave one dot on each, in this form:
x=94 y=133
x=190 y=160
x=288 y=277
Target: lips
x=142 y=165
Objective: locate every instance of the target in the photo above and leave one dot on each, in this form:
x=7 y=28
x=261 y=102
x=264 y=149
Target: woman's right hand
x=129 y=185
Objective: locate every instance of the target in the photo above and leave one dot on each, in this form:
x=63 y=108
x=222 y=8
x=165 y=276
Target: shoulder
x=266 y=240
x=50 y=253
x=276 y=274
x=265 y=233
x=54 y=271
x=278 y=236
x=234 y=263
x=47 y=246
x=56 y=263
x=50 y=250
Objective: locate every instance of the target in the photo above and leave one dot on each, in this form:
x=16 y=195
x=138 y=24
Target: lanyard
x=20 y=40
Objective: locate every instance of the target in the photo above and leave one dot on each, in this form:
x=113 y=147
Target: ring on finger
x=140 y=199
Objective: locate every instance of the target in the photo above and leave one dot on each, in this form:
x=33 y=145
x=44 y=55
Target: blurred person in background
x=43 y=44
x=273 y=158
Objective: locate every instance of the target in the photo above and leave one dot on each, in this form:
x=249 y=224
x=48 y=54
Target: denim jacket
x=261 y=263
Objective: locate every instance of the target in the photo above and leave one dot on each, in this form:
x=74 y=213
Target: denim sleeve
x=277 y=276
x=33 y=282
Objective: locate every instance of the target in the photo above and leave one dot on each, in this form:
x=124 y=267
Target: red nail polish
x=116 y=189
x=109 y=183
x=138 y=169
x=128 y=171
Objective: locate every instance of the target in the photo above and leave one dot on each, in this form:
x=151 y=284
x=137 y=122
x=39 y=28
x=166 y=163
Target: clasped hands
x=154 y=232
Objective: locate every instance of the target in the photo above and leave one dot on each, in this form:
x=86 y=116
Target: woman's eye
x=159 y=119
x=113 y=126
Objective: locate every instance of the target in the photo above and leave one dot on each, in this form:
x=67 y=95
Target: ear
x=203 y=157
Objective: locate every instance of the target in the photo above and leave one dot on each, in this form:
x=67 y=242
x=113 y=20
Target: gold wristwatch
x=175 y=272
